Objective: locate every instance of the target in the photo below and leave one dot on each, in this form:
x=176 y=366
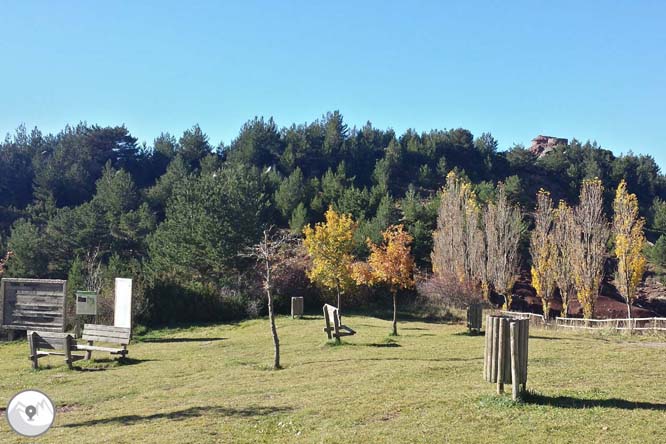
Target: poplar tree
x=629 y=243
x=544 y=250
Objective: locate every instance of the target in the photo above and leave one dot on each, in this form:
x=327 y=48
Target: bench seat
x=105 y=334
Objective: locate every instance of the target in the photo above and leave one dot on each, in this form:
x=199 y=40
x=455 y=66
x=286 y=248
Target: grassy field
x=212 y=384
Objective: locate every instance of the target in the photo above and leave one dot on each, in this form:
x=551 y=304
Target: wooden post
x=525 y=335
x=89 y=352
x=486 y=354
x=32 y=338
x=501 y=364
x=493 y=350
x=515 y=361
x=297 y=307
x=68 y=350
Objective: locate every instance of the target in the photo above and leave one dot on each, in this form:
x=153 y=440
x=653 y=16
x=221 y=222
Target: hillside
x=176 y=214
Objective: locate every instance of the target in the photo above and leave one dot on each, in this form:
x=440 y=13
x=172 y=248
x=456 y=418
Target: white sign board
x=123 y=308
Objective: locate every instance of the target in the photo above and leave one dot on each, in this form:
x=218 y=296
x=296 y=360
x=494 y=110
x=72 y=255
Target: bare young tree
x=565 y=234
x=269 y=252
x=589 y=253
x=92 y=271
x=3 y=262
x=503 y=223
x=543 y=250
x=458 y=240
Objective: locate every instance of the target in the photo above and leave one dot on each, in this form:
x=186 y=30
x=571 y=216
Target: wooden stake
x=500 y=355
x=515 y=362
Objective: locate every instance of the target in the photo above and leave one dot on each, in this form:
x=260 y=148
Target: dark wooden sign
x=33 y=304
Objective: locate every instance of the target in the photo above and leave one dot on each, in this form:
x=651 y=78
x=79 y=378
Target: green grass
x=213 y=384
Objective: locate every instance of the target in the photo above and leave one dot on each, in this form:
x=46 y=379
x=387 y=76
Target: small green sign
x=86 y=303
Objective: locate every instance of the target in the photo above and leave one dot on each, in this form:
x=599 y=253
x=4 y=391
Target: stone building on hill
x=542 y=145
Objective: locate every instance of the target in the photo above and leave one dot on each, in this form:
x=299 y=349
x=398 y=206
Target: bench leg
x=33 y=350
x=68 y=351
x=89 y=352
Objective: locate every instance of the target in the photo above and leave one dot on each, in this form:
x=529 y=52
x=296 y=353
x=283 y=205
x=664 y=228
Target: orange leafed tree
x=390 y=264
x=330 y=246
x=629 y=243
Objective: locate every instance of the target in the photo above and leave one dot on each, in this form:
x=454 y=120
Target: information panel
x=86 y=303
x=32 y=304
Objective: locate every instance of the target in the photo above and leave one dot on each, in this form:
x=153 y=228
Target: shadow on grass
x=120 y=362
x=179 y=415
x=387 y=343
x=310 y=317
x=179 y=340
x=546 y=338
x=570 y=402
x=329 y=361
x=469 y=333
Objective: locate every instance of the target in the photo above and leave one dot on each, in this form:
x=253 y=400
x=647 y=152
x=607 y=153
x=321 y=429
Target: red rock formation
x=542 y=145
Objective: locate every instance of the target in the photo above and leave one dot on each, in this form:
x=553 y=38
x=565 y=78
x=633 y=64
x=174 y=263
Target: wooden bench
x=44 y=343
x=105 y=334
x=334 y=329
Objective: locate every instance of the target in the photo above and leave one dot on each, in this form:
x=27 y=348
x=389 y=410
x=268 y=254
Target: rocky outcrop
x=542 y=145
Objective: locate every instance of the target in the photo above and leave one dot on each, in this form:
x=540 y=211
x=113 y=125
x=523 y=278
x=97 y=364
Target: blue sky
x=590 y=70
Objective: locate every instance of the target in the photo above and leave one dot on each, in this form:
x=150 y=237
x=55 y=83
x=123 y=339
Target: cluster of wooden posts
x=505 y=358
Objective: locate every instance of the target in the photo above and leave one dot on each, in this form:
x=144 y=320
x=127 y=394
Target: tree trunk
x=276 y=340
x=631 y=324
x=337 y=287
x=271 y=311
x=395 y=313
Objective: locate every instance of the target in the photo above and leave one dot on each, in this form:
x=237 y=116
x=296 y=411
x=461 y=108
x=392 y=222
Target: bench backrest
x=50 y=340
x=332 y=316
x=106 y=333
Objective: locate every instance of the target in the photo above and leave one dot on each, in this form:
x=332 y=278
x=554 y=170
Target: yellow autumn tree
x=390 y=264
x=565 y=234
x=544 y=250
x=330 y=245
x=629 y=244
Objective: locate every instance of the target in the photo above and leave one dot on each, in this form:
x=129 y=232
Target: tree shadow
x=470 y=333
x=389 y=343
x=120 y=361
x=179 y=415
x=330 y=361
x=309 y=317
x=546 y=338
x=178 y=340
x=570 y=402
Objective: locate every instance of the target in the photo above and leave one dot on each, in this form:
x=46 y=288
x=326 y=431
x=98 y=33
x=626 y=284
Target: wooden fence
x=535 y=319
x=635 y=324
